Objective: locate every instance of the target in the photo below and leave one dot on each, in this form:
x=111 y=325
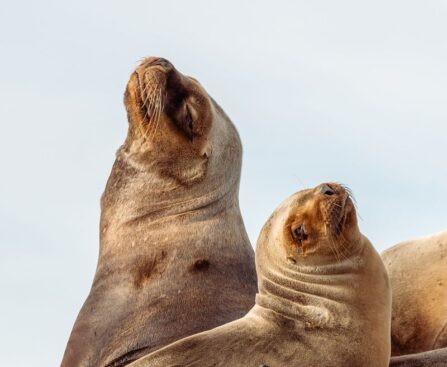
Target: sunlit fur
x=418 y=274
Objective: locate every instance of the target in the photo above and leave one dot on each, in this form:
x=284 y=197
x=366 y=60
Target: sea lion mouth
x=158 y=61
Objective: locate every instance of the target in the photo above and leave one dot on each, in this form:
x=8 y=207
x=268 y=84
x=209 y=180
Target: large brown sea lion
x=324 y=298
x=418 y=278
x=174 y=256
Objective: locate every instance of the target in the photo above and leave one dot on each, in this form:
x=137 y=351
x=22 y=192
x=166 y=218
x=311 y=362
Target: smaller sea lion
x=324 y=297
x=418 y=278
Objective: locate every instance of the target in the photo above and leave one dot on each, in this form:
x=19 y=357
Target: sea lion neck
x=307 y=294
x=136 y=199
x=143 y=192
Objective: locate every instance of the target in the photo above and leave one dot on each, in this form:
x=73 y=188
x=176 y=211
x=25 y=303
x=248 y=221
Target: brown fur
x=418 y=275
x=174 y=255
x=144 y=269
x=314 y=308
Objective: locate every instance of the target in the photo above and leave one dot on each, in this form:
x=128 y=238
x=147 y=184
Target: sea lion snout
x=326 y=189
x=336 y=207
x=333 y=189
x=158 y=65
x=158 y=61
x=180 y=99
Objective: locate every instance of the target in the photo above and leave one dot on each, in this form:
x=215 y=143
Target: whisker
x=331 y=244
x=157 y=113
x=349 y=191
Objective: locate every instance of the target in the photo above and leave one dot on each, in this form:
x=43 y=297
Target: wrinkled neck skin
x=139 y=196
x=314 y=296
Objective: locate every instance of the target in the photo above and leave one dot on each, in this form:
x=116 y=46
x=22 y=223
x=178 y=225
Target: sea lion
x=324 y=298
x=174 y=256
x=418 y=277
x=433 y=358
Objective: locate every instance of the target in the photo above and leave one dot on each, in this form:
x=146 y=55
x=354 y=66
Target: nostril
x=158 y=61
x=327 y=190
x=163 y=62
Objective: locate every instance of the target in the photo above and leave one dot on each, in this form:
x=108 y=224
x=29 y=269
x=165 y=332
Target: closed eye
x=189 y=122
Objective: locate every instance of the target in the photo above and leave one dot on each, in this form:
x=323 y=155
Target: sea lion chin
x=324 y=298
x=174 y=256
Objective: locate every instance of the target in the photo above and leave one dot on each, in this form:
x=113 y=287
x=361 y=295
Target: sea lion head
x=315 y=226
x=175 y=127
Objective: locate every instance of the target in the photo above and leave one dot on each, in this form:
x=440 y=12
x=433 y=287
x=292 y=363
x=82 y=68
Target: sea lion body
x=418 y=277
x=323 y=299
x=174 y=256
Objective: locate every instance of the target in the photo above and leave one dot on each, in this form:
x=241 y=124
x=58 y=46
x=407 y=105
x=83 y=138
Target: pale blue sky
x=350 y=91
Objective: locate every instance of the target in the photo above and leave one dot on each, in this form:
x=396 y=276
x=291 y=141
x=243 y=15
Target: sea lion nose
x=325 y=189
x=158 y=61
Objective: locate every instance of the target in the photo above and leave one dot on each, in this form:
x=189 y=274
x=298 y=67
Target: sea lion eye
x=298 y=232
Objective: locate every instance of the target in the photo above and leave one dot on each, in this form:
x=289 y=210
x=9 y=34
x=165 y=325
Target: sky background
x=347 y=91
